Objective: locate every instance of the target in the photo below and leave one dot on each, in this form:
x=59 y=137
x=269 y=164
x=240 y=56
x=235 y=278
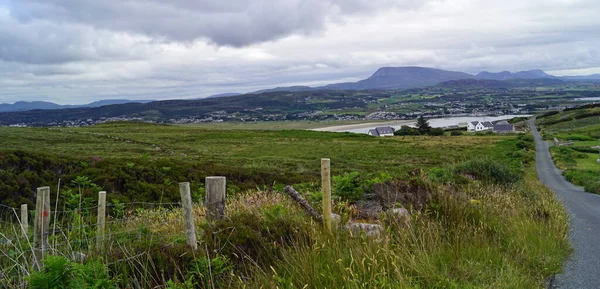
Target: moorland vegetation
x=478 y=216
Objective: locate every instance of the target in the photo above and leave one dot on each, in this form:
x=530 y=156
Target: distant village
x=500 y=127
x=257 y=114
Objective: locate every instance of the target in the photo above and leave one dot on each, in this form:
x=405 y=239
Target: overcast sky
x=78 y=51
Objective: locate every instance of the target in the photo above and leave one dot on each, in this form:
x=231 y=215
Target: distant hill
x=402 y=77
x=477 y=82
x=535 y=81
x=288 y=88
x=112 y=101
x=506 y=75
x=27 y=105
x=593 y=77
x=512 y=82
x=33 y=105
x=227 y=94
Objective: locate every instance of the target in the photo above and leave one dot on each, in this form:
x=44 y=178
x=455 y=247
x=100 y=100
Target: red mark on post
x=45 y=214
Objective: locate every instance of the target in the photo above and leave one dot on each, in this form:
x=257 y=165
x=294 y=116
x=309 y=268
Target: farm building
x=381 y=131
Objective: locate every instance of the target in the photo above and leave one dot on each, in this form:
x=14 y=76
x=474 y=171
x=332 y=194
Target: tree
x=406 y=130
x=422 y=125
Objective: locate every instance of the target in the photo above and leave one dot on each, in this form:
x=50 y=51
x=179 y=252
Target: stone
x=336 y=220
x=400 y=215
x=371 y=230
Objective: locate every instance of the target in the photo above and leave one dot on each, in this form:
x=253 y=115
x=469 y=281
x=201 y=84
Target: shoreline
x=341 y=128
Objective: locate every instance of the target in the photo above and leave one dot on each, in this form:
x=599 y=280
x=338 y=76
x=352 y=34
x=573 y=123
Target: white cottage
x=381 y=131
x=475 y=126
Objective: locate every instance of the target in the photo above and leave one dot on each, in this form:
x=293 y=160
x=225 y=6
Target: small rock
x=336 y=220
x=400 y=215
x=371 y=230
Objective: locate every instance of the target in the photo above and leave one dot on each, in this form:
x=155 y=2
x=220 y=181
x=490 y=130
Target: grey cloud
x=79 y=51
x=231 y=23
x=47 y=42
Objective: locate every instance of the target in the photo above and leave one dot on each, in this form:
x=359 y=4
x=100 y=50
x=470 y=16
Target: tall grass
x=474 y=235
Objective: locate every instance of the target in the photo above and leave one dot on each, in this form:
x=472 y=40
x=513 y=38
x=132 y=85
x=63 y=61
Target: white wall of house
x=470 y=127
x=477 y=127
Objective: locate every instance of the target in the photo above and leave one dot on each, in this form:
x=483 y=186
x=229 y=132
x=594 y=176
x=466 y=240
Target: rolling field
x=478 y=216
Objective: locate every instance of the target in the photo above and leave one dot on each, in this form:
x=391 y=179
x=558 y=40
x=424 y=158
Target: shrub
x=347 y=186
x=206 y=273
x=58 y=272
x=593 y=187
x=521 y=144
x=525 y=156
x=456 y=133
x=585 y=149
x=258 y=239
x=436 y=132
x=352 y=187
x=526 y=138
x=549 y=113
x=406 y=130
x=488 y=170
x=413 y=193
x=578 y=137
x=441 y=175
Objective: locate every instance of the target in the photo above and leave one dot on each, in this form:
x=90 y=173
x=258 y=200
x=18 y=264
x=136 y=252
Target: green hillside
x=581 y=125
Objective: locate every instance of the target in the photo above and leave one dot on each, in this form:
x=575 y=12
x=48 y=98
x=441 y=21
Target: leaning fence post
x=24 y=220
x=326 y=189
x=215 y=198
x=101 y=219
x=41 y=225
x=188 y=216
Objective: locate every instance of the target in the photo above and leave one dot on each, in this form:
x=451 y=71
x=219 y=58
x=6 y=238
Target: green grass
x=589 y=163
x=579 y=163
x=273 y=125
x=289 y=150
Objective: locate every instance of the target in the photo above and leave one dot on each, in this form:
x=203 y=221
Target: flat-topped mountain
x=402 y=77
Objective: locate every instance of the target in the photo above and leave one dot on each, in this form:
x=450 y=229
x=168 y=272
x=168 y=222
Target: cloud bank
x=76 y=51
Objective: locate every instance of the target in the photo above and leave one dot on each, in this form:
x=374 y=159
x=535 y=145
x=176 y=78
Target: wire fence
x=76 y=228
x=117 y=231
x=132 y=232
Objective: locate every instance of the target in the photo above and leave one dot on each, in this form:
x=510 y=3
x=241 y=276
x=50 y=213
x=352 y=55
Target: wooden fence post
x=24 y=220
x=215 y=198
x=188 y=216
x=101 y=220
x=326 y=189
x=41 y=225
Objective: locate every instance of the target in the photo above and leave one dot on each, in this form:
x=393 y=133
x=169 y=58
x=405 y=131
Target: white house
x=381 y=131
x=479 y=126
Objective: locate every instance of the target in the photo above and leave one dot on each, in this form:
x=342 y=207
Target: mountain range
x=31 y=105
x=384 y=78
x=415 y=77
